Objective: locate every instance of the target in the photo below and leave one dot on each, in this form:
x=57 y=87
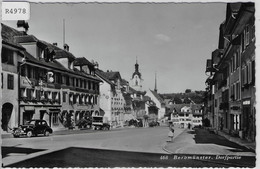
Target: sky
x=173 y=40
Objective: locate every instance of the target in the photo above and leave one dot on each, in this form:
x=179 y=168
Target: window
x=232 y=65
x=77 y=82
x=247 y=35
x=55 y=119
x=249 y=72
x=10 y=82
x=2 y=80
x=64 y=94
x=237 y=59
x=7 y=56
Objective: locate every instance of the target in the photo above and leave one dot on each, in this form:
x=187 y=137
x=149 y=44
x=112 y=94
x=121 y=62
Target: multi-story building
x=112 y=100
x=11 y=55
x=183 y=115
x=232 y=73
x=50 y=86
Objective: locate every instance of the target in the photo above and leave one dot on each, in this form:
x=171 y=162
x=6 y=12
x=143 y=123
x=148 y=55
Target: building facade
x=52 y=86
x=232 y=74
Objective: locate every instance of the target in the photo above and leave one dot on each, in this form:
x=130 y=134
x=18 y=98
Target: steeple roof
x=137 y=71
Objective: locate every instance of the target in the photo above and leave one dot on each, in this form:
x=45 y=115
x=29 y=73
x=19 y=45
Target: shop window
x=55 y=119
x=10 y=82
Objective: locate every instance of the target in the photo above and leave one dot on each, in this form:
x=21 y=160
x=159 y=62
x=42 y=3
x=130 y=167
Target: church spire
x=136 y=66
x=155 y=86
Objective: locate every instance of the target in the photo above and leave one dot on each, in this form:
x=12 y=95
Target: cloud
x=162 y=37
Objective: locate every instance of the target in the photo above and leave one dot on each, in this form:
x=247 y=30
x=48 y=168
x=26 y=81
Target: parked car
x=104 y=126
x=84 y=123
x=33 y=128
x=153 y=123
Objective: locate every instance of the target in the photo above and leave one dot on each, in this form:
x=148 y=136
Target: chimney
x=55 y=44
x=25 y=25
x=66 y=47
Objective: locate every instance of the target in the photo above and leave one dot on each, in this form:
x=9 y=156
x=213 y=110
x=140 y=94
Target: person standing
x=171 y=133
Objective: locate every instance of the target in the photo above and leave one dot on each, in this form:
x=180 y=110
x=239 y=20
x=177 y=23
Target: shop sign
x=246 y=102
x=29 y=108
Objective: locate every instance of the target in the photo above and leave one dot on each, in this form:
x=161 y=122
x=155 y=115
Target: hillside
x=185 y=98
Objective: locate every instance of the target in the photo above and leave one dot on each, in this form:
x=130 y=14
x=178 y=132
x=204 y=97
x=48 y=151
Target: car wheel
x=29 y=134
x=46 y=133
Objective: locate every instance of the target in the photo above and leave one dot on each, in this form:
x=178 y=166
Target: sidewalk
x=201 y=141
x=247 y=144
x=67 y=132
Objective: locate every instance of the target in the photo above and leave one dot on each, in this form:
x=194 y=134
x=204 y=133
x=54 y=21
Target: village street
x=131 y=147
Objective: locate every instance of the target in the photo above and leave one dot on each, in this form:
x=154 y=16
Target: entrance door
x=6 y=115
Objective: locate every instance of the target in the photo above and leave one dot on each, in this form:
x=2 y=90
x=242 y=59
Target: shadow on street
x=202 y=136
x=18 y=150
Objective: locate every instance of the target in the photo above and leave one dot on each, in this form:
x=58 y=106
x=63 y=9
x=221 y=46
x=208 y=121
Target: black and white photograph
x=148 y=84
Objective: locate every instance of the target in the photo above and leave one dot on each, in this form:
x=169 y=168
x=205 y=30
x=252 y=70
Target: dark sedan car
x=32 y=128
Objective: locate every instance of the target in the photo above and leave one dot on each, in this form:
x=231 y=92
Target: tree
x=188 y=91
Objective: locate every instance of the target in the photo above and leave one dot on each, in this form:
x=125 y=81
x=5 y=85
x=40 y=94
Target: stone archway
x=6 y=115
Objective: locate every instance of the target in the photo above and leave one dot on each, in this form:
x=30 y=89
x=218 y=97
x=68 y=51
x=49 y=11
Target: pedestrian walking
x=171 y=133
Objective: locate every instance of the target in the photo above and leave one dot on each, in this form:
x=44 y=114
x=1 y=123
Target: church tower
x=136 y=78
x=155 y=86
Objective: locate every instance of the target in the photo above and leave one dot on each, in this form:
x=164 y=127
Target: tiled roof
x=56 y=65
x=59 y=53
x=111 y=75
x=25 y=38
x=82 y=61
x=101 y=74
x=8 y=35
x=124 y=82
x=157 y=96
x=177 y=107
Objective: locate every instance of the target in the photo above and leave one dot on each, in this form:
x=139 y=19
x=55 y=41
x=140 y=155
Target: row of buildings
x=40 y=80
x=230 y=104
x=185 y=115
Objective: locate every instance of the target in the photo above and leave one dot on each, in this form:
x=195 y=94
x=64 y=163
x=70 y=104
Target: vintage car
x=98 y=124
x=32 y=128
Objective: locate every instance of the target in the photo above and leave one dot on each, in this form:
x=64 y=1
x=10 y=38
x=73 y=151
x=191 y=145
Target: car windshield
x=31 y=122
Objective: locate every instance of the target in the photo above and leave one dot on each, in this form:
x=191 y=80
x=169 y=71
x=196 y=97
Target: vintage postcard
x=128 y=84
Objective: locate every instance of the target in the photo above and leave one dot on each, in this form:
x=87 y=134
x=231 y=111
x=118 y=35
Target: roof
x=124 y=82
x=56 y=65
x=157 y=96
x=111 y=75
x=8 y=35
x=101 y=74
x=25 y=38
x=176 y=107
x=59 y=53
x=81 y=61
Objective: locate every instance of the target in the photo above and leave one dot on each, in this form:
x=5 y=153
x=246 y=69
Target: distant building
x=184 y=114
x=137 y=79
x=112 y=100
